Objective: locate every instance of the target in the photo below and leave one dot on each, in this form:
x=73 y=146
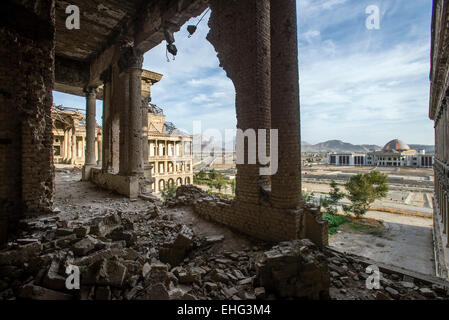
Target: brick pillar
x=286 y=183
x=240 y=33
x=106 y=130
x=90 y=126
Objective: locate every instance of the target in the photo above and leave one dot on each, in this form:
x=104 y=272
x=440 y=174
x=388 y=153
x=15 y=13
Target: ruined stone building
x=69 y=137
x=128 y=245
x=170 y=153
x=103 y=60
x=439 y=113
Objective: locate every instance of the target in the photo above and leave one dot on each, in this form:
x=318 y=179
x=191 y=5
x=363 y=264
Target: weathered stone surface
x=287 y=272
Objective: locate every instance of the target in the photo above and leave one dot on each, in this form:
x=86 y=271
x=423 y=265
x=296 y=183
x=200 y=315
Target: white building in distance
x=395 y=153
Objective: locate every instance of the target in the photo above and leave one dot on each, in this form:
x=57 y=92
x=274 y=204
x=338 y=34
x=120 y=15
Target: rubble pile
x=191 y=195
x=139 y=250
x=349 y=276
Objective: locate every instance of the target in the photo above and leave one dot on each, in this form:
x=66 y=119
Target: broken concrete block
x=426 y=292
x=62 y=232
x=106 y=273
x=175 y=252
x=259 y=293
x=288 y=273
x=21 y=255
x=82 y=231
x=52 y=279
x=30 y=291
x=103 y=293
x=84 y=246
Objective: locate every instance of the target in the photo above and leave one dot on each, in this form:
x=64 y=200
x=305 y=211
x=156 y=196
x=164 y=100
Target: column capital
x=89 y=91
x=106 y=75
x=131 y=58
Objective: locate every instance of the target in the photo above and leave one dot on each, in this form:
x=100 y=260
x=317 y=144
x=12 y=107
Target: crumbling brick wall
x=260 y=221
x=26 y=82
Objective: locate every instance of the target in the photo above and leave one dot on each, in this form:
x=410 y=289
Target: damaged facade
x=100 y=63
x=69 y=137
x=170 y=153
x=438 y=112
x=131 y=253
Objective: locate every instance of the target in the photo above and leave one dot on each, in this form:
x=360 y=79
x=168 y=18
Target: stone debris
x=148 y=254
x=295 y=269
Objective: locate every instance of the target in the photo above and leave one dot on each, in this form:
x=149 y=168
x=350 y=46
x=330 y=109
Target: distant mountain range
x=340 y=146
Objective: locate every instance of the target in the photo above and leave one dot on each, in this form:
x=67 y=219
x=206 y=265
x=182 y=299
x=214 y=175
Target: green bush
x=168 y=193
x=334 y=222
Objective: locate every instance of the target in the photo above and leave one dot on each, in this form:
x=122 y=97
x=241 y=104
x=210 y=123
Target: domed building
x=396 y=145
x=396 y=153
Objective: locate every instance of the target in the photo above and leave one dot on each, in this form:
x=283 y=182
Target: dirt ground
x=73 y=196
x=404 y=242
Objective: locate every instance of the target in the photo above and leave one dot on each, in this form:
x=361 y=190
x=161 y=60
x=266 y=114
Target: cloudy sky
x=356 y=85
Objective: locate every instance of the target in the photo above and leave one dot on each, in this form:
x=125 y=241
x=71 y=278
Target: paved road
x=407 y=242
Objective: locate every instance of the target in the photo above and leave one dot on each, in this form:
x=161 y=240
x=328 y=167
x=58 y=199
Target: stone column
x=131 y=63
x=65 y=146
x=90 y=159
x=124 y=119
x=106 y=130
x=100 y=150
x=73 y=158
x=286 y=183
x=145 y=155
x=90 y=126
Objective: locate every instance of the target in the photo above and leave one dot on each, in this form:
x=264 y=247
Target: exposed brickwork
x=27 y=67
x=286 y=183
x=259 y=221
x=241 y=35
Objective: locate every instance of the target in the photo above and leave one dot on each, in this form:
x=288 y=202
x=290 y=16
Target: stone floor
x=137 y=249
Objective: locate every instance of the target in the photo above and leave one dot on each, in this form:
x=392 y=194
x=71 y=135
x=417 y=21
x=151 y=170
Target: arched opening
x=161 y=185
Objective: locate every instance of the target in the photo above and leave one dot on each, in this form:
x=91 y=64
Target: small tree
x=220 y=183
x=201 y=175
x=330 y=203
x=213 y=174
x=364 y=189
x=308 y=197
x=168 y=193
x=232 y=183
